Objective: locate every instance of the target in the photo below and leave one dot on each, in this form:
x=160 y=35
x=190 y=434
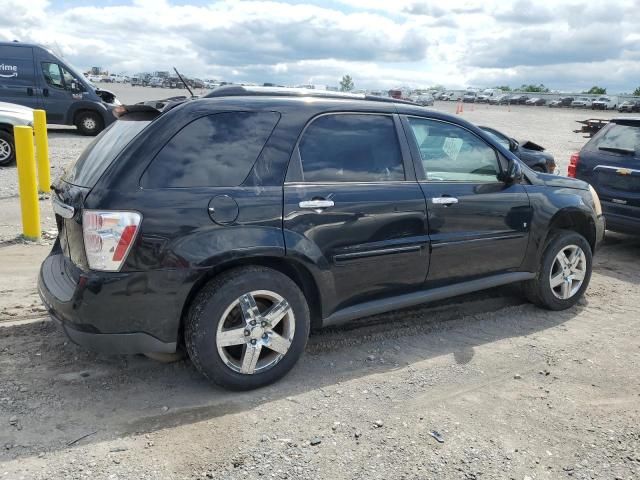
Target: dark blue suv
x=231 y=225
x=610 y=162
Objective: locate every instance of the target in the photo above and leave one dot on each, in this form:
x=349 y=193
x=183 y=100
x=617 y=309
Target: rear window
x=618 y=137
x=213 y=151
x=100 y=153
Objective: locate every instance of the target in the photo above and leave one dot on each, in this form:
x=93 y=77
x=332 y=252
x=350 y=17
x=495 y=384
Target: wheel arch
x=297 y=272
x=575 y=220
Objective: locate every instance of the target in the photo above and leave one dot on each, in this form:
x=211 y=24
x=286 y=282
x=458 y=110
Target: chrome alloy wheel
x=255 y=332
x=5 y=150
x=567 y=272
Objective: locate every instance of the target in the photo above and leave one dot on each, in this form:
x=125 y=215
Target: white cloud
x=381 y=44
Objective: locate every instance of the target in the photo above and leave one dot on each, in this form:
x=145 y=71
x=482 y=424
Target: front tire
x=247 y=328
x=89 y=123
x=7 y=148
x=564 y=272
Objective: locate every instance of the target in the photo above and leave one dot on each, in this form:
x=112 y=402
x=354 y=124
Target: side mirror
x=75 y=87
x=513 y=174
x=513 y=145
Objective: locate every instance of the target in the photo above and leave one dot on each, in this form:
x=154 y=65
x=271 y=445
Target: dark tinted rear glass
x=97 y=157
x=618 y=136
x=213 y=151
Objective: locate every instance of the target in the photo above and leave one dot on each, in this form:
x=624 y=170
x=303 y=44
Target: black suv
x=610 y=162
x=232 y=225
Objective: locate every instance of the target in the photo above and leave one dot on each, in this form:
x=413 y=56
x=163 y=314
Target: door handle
x=444 y=200
x=30 y=91
x=316 y=204
x=45 y=92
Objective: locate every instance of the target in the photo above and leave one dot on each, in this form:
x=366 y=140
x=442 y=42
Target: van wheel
x=7 y=148
x=564 y=272
x=247 y=328
x=89 y=123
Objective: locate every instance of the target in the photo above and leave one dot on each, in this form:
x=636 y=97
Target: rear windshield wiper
x=627 y=151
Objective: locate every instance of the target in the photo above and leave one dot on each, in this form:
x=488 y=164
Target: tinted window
x=452 y=154
x=621 y=137
x=213 y=151
x=95 y=159
x=351 y=148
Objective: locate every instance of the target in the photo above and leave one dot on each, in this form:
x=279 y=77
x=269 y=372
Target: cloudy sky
x=567 y=45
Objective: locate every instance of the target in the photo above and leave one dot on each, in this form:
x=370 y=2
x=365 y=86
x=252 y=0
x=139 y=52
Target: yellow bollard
x=42 y=150
x=27 y=182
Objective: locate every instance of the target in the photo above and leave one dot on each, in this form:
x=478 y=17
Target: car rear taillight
x=108 y=237
x=573 y=165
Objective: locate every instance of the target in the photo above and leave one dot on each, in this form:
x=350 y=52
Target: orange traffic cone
x=458 y=108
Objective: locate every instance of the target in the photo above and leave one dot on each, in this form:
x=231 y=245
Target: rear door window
x=351 y=148
x=214 y=151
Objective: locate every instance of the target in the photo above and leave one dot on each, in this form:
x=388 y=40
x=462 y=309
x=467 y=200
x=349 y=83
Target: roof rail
x=243 y=91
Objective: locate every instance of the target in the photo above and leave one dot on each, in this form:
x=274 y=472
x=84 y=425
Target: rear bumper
x=115 y=343
x=116 y=313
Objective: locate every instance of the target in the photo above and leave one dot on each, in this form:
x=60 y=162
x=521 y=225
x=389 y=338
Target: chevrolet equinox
x=230 y=226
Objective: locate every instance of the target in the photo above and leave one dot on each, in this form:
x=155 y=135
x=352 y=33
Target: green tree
x=595 y=90
x=504 y=88
x=533 y=88
x=636 y=92
x=346 y=84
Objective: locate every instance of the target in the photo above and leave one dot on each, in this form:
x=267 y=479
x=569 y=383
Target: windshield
x=100 y=153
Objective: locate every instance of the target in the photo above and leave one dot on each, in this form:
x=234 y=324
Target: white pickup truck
x=605 y=103
x=10 y=116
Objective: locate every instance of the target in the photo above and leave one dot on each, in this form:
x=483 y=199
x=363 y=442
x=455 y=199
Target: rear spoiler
x=148 y=110
x=136 y=112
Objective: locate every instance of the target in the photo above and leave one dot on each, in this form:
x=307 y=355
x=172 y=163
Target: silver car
x=10 y=116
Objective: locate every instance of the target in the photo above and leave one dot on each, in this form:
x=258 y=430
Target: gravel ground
x=483 y=386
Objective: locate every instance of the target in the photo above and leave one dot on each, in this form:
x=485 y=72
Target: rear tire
x=7 y=148
x=235 y=335
x=89 y=123
x=559 y=285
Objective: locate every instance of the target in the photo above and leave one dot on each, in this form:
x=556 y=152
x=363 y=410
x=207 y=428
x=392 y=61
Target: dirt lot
x=514 y=392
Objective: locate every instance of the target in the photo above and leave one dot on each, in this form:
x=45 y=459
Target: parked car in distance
x=630 y=106
x=610 y=162
x=561 y=102
x=424 y=100
x=39 y=79
x=532 y=154
x=286 y=214
x=469 y=97
x=11 y=115
x=581 y=102
x=502 y=99
x=536 y=101
x=483 y=98
x=94 y=78
x=518 y=99
x=605 y=103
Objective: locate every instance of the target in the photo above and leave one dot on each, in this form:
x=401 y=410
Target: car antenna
x=182 y=80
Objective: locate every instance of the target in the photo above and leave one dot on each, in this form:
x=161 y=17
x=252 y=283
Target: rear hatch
x=71 y=190
x=611 y=163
